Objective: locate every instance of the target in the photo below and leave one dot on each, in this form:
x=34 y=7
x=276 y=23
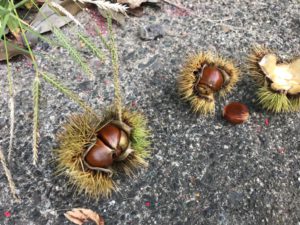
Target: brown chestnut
x=111 y=144
x=100 y=155
x=211 y=79
x=236 y=113
x=110 y=135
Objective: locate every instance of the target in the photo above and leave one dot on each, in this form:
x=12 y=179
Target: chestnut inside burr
x=111 y=142
x=210 y=80
x=212 y=77
x=100 y=155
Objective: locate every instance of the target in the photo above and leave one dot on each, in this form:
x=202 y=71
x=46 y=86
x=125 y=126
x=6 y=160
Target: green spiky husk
x=79 y=133
x=258 y=52
x=187 y=80
x=277 y=102
x=273 y=101
x=269 y=99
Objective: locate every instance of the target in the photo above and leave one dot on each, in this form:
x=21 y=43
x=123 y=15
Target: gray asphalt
x=203 y=170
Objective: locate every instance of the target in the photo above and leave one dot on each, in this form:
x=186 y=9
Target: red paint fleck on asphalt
x=7 y=214
x=281 y=150
x=147 y=204
x=98 y=20
x=267 y=122
x=133 y=103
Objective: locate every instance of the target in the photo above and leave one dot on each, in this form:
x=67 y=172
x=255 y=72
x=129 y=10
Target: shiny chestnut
x=236 y=112
x=210 y=80
x=111 y=143
x=100 y=155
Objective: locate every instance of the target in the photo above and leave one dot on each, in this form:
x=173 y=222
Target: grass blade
x=11 y=105
x=73 y=52
x=56 y=84
x=103 y=40
x=96 y=51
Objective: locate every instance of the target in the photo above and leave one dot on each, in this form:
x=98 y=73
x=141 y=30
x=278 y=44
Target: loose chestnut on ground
x=236 y=113
x=278 y=80
x=93 y=150
x=203 y=76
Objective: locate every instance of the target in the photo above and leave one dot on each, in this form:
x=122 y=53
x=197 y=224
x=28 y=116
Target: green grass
x=9 y=18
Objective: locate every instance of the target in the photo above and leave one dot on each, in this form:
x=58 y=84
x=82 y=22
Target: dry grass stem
x=8 y=175
x=107 y=6
x=65 y=12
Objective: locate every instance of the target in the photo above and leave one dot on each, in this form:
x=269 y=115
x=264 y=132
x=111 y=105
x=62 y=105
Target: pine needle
x=36 y=95
x=8 y=175
x=73 y=52
x=55 y=83
x=92 y=47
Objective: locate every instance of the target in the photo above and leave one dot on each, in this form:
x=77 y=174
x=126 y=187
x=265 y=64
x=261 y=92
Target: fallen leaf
x=13 y=49
x=137 y=12
x=81 y=215
x=47 y=17
x=136 y=3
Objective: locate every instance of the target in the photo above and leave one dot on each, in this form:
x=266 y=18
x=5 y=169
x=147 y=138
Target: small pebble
x=151 y=32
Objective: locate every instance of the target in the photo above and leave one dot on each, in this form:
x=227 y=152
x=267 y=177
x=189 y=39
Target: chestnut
x=211 y=78
x=110 y=134
x=99 y=155
x=111 y=145
x=236 y=113
x=91 y=164
x=203 y=77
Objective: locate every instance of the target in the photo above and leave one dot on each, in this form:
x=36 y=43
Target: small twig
x=180 y=6
x=7 y=172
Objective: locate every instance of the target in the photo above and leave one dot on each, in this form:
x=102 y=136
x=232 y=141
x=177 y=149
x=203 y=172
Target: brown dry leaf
x=137 y=12
x=136 y=3
x=13 y=49
x=81 y=215
x=47 y=17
